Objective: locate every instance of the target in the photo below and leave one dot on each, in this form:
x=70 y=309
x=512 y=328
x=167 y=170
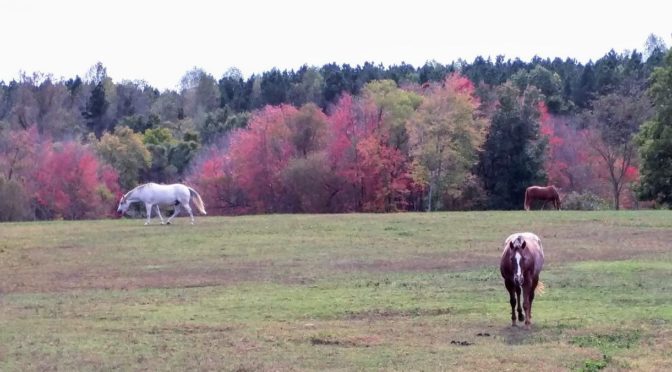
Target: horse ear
x=511 y=245
x=522 y=246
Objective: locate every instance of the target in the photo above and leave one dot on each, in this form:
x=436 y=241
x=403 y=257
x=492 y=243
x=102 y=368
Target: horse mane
x=136 y=188
x=529 y=237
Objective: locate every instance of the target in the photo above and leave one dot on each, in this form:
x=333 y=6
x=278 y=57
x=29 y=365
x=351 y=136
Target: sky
x=159 y=41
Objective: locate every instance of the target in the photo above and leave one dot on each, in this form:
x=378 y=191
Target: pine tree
x=655 y=139
x=513 y=156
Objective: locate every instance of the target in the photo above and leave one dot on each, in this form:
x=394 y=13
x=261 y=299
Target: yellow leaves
x=445 y=133
x=125 y=151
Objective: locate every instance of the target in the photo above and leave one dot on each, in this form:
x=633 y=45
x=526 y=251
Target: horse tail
x=198 y=202
x=526 y=203
x=541 y=288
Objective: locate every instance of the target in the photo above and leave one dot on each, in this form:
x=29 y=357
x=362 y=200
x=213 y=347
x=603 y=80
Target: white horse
x=153 y=194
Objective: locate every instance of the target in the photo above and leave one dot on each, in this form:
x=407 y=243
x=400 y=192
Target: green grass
x=334 y=292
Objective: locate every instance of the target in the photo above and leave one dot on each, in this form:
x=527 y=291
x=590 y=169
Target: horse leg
x=528 y=302
x=175 y=212
x=521 y=317
x=512 y=300
x=149 y=212
x=191 y=215
x=527 y=305
x=158 y=211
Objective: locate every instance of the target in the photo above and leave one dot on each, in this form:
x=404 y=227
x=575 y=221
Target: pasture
x=334 y=292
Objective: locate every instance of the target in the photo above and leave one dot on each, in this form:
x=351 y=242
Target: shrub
x=14 y=202
x=585 y=201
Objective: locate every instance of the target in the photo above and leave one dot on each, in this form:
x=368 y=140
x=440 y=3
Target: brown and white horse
x=521 y=263
x=545 y=193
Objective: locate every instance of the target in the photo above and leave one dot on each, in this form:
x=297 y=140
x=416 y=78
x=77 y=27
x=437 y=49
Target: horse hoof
x=168 y=223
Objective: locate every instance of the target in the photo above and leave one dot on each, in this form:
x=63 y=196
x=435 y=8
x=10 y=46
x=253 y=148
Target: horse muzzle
x=518 y=280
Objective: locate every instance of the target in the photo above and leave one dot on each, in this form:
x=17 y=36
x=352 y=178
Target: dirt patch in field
x=353 y=341
x=375 y=314
x=65 y=268
x=187 y=329
x=613 y=245
x=428 y=262
x=574 y=246
x=43 y=280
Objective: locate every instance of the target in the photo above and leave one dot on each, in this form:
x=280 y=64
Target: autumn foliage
x=59 y=179
x=355 y=158
x=574 y=163
x=342 y=138
x=386 y=148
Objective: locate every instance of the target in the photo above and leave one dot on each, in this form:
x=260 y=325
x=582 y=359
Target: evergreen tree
x=97 y=104
x=513 y=154
x=655 y=139
x=334 y=82
x=585 y=89
x=96 y=107
x=655 y=50
x=232 y=91
x=275 y=87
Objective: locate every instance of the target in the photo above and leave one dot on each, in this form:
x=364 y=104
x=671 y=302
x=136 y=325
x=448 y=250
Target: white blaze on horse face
x=518 y=277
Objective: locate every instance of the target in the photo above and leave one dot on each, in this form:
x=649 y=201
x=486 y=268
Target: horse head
x=124 y=203
x=518 y=257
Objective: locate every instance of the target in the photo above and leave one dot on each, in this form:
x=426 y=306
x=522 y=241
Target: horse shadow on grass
x=537 y=333
x=520 y=335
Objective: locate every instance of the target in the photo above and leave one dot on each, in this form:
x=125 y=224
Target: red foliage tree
x=557 y=168
x=578 y=160
x=386 y=180
x=462 y=85
x=70 y=182
x=258 y=155
x=17 y=151
x=614 y=172
x=290 y=160
x=374 y=176
x=212 y=174
x=346 y=131
x=62 y=180
x=569 y=162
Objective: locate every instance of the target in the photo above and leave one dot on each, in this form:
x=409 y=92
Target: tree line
x=338 y=138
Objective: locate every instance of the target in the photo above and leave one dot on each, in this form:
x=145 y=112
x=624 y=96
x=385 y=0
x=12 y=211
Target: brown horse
x=521 y=263
x=548 y=193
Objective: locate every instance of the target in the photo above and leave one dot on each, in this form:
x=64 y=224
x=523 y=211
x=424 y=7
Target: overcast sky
x=158 y=41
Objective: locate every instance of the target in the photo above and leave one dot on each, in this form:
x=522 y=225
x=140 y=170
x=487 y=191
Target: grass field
x=334 y=292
